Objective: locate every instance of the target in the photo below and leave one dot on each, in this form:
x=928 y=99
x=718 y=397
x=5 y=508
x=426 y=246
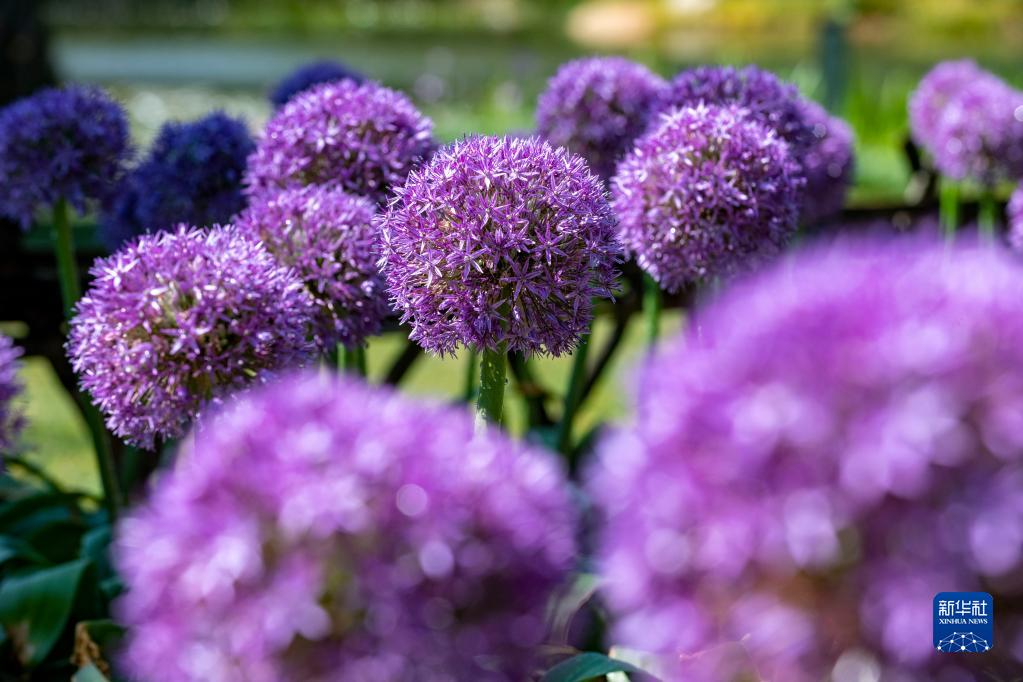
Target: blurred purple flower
x=178 y=319
x=1014 y=215
x=707 y=191
x=499 y=241
x=828 y=164
x=597 y=107
x=308 y=75
x=60 y=143
x=328 y=237
x=836 y=440
x=320 y=529
x=933 y=94
x=192 y=174
x=10 y=387
x=363 y=138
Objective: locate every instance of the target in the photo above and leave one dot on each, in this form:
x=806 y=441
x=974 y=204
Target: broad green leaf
x=14 y=549
x=89 y=673
x=587 y=666
x=35 y=607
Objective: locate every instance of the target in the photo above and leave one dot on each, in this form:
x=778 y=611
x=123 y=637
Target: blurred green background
x=477 y=66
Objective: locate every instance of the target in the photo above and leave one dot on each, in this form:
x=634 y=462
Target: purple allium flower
x=1014 y=216
x=771 y=102
x=933 y=94
x=828 y=164
x=328 y=237
x=704 y=193
x=363 y=138
x=10 y=387
x=835 y=441
x=60 y=143
x=597 y=107
x=499 y=241
x=193 y=174
x=320 y=530
x=175 y=320
x=308 y=75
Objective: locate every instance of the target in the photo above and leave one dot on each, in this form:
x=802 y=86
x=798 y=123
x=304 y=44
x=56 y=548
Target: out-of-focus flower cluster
x=835 y=441
x=10 y=387
x=363 y=138
x=308 y=75
x=60 y=144
x=193 y=174
x=320 y=529
x=177 y=319
x=970 y=121
x=708 y=191
x=499 y=242
x=828 y=164
x=597 y=107
x=328 y=237
x=1014 y=214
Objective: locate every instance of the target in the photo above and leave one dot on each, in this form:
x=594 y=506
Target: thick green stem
x=70 y=289
x=987 y=216
x=948 y=207
x=469 y=388
x=490 y=402
x=575 y=387
x=353 y=360
x=651 y=309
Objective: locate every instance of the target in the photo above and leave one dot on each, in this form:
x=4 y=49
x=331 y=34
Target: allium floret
x=176 y=320
x=828 y=164
x=320 y=529
x=11 y=420
x=499 y=243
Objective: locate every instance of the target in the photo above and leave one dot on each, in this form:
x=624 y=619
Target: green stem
x=469 y=389
x=70 y=289
x=987 y=216
x=490 y=402
x=651 y=309
x=948 y=207
x=572 y=395
x=353 y=360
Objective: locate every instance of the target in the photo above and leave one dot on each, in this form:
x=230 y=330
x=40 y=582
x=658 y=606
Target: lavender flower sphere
x=597 y=107
x=328 y=237
x=10 y=387
x=192 y=174
x=706 y=192
x=308 y=75
x=933 y=94
x=828 y=164
x=66 y=143
x=499 y=242
x=1014 y=215
x=323 y=530
x=178 y=319
x=837 y=443
x=771 y=102
x=363 y=138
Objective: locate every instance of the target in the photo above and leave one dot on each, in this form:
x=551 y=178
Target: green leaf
x=89 y=673
x=35 y=607
x=587 y=666
x=14 y=549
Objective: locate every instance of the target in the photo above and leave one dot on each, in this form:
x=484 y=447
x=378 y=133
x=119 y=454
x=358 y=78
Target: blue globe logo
x=961 y=642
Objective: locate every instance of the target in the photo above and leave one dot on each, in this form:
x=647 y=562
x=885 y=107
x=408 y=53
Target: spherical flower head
x=328 y=238
x=934 y=93
x=1014 y=213
x=499 y=243
x=178 y=319
x=828 y=164
x=597 y=107
x=192 y=174
x=834 y=442
x=363 y=138
x=60 y=144
x=308 y=75
x=708 y=191
x=10 y=388
x=320 y=529
x=770 y=101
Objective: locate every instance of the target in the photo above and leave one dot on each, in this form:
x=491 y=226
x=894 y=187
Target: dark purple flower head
x=308 y=75
x=363 y=138
x=175 y=320
x=328 y=237
x=66 y=143
x=10 y=387
x=193 y=174
x=499 y=241
x=707 y=191
x=1014 y=215
x=597 y=107
x=320 y=529
x=933 y=94
x=835 y=441
x=828 y=164
x=771 y=102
